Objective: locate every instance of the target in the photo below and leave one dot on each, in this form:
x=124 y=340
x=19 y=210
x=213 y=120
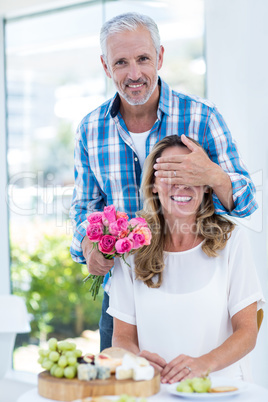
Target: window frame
x=5 y=285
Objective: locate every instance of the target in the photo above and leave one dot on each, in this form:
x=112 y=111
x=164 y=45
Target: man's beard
x=140 y=101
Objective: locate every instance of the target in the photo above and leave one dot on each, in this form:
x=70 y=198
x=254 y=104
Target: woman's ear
x=154 y=190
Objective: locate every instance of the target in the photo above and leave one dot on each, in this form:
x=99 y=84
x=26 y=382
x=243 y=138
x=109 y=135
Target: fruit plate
x=216 y=382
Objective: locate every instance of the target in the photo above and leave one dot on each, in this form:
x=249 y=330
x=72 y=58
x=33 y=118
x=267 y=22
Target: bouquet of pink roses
x=113 y=234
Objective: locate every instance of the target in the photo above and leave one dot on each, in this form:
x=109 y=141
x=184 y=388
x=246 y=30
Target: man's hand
x=193 y=169
x=196 y=169
x=96 y=263
x=154 y=359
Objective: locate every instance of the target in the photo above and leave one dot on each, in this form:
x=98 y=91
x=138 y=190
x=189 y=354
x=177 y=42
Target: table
x=253 y=393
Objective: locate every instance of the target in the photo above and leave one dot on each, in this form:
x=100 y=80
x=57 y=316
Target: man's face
x=132 y=63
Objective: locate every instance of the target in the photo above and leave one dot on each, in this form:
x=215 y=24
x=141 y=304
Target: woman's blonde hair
x=215 y=229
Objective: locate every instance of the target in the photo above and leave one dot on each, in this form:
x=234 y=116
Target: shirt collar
x=164 y=100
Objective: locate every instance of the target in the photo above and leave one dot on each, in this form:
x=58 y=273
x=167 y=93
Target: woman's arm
x=125 y=336
x=240 y=343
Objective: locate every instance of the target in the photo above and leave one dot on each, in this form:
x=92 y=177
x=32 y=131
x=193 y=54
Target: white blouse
x=191 y=312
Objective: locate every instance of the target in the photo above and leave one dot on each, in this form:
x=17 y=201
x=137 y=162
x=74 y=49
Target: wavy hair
x=214 y=229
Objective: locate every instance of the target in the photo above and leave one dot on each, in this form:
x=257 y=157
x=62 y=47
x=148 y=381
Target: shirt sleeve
x=244 y=284
x=122 y=302
x=223 y=151
x=87 y=196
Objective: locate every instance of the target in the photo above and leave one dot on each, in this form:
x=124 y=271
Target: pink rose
x=138 y=239
x=106 y=244
x=123 y=246
x=95 y=217
x=119 y=226
x=144 y=231
x=109 y=215
x=138 y=222
x=95 y=232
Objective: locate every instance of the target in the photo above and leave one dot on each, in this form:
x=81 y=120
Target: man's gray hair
x=128 y=21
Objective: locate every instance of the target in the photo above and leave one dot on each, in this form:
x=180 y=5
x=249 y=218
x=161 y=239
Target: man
x=113 y=141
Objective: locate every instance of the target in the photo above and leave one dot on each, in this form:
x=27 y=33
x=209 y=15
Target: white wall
x=237 y=81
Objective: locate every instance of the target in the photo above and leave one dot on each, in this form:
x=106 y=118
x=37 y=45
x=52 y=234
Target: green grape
x=207 y=381
x=201 y=384
x=70 y=372
x=40 y=360
x=70 y=353
x=186 y=388
x=71 y=346
x=53 y=368
x=46 y=352
x=72 y=360
x=196 y=384
x=126 y=398
x=62 y=346
x=54 y=356
x=41 y=352
x=58 y=372
x=78 y=352
x=47 y=364
x=62 y=362
x=52 y=344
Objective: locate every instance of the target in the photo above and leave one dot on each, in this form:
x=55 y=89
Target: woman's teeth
x=181 y=199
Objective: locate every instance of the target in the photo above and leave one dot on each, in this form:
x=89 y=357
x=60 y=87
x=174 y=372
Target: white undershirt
x=139 y=140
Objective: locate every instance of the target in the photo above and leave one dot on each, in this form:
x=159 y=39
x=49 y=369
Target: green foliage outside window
x=52 y=285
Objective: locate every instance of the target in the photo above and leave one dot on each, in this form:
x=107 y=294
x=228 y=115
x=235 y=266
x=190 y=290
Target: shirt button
x=136 y=159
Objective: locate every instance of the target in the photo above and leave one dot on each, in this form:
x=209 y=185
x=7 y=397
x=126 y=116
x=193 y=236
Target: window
x=54 y=78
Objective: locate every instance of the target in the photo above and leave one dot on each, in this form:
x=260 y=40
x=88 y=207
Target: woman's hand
x=183 y=367
x=154 y=359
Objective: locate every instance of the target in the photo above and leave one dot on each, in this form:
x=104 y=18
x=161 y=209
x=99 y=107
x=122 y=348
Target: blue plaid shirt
x=107 y=168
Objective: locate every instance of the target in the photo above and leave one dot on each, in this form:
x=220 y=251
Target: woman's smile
x=181 y=199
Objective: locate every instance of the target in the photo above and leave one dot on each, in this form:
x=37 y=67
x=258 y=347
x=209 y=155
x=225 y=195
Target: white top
x=191 y=312
x=139 y=140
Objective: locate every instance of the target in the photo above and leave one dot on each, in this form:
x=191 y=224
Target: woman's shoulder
x=238 y=236
x=239 y=232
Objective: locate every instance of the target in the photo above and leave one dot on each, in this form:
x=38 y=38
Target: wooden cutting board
x=62 y=389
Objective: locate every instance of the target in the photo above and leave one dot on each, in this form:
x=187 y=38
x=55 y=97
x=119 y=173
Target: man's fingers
x=97 y=264
x=167 y=167
x=167 y=161
x=189 y=144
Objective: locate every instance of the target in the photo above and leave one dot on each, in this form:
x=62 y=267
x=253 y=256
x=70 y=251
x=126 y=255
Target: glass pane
x=54 y=78
x=181 y=27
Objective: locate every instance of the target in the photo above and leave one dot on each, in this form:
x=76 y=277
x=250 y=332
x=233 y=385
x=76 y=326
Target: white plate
x=108 y=397
x=216 y=382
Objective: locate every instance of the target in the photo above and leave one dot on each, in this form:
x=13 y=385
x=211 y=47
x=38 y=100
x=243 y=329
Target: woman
x=189 y=301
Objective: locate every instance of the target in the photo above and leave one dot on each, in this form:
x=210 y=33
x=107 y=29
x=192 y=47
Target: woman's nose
x=181 y=186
